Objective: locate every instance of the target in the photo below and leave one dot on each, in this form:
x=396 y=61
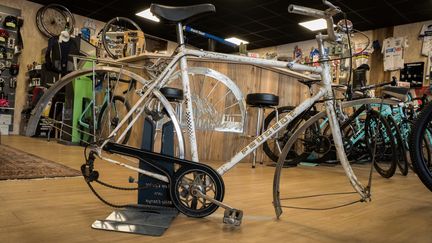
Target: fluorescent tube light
x=236 y=41
x=314 y=25
x=148 y=15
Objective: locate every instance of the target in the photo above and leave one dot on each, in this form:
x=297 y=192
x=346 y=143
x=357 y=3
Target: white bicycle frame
x=325 y=91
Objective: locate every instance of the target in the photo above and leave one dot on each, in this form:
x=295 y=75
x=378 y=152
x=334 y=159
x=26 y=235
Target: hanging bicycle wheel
x=218 y=103
x=122 y=37
x=52 y=19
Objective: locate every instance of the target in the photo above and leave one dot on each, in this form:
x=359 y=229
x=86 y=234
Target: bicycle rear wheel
x=379 y=135
x=420 y=146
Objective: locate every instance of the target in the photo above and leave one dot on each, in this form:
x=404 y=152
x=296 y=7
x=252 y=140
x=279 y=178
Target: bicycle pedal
x=233 y=217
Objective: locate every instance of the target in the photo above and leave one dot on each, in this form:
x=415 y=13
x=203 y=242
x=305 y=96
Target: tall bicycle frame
x=325 y=91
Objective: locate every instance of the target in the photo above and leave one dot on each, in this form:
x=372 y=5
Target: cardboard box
x=4 y=130
x=5 y=119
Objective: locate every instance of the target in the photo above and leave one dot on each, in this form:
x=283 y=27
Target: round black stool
x=261 y=101
x=172 y=94
x=175 y=97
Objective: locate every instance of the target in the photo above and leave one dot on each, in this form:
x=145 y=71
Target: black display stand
x=156 y=193
x=155 y=210
x=7 y=59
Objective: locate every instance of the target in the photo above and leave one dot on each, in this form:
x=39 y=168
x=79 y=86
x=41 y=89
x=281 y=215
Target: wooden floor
x=62 y=210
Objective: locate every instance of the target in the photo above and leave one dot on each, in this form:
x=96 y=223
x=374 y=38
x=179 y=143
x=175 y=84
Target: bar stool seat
x=172 y=94
x=261 y=101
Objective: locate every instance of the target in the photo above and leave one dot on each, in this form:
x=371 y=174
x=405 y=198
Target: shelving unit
x=8 y=92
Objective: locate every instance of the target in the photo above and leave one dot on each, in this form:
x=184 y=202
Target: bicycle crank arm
x=232 y=216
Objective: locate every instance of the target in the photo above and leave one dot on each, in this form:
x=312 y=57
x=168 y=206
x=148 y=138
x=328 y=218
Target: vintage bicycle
x=196 y=189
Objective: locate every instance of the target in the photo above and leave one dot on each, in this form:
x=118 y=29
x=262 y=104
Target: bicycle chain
x=91 y=175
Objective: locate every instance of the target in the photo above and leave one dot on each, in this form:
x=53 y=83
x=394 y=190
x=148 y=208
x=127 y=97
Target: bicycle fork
x=337 y=136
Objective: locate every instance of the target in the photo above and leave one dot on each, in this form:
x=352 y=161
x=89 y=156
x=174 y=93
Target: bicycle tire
x=416 y=141
x=293 y=157
x=270 y=117
x=108 y=26
x=348 y=129
x=122 y=100
x=39 y=23
x=402 y=160
x=62 y=10
x=406 y=127
x=379 y=165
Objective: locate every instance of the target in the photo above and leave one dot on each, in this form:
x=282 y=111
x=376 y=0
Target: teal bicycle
x=97 y=121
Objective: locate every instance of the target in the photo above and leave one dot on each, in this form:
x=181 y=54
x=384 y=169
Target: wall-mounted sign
x=413 y=73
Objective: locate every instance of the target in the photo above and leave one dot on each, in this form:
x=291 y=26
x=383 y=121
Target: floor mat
x=17 y=164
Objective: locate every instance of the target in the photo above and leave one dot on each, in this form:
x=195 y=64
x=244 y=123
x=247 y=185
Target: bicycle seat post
x=180 y=36
x=187 y=94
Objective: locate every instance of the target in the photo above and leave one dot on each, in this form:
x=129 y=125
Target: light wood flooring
x=62 y=210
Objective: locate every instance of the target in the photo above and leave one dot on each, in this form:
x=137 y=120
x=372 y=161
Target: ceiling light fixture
x=236 y=40
x=314 y=25
x=148 y=15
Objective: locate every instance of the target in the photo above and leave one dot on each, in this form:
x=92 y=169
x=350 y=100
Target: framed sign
x=413 y=73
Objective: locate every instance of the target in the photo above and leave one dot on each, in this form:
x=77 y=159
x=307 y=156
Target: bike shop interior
x=246 y=120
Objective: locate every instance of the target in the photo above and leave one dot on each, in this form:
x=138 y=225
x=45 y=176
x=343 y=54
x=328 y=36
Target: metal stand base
x=151 y=222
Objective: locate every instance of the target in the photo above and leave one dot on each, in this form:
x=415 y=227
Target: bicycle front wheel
x=421 y=146
x=379 y=139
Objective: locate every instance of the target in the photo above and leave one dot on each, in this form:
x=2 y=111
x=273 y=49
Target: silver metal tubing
x=295 y=9
x=255 y=61
x=187 y=95
x=104 y=61
x=257 y=133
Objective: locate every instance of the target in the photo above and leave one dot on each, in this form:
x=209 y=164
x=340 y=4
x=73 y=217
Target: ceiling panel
x=261 y=22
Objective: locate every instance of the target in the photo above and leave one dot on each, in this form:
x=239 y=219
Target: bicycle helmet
x=10 y=22
x=14 y=69
x=4 y=35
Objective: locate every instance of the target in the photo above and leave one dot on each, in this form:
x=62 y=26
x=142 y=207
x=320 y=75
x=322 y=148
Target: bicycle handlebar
x=326 y=14
x=373 y=86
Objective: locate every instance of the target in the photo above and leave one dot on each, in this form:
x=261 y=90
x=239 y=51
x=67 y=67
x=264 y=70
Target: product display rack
x=9 y=57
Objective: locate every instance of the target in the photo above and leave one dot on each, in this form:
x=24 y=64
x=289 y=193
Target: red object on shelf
x=4 y=103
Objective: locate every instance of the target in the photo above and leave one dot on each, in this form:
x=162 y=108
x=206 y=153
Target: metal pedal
x=233 y=217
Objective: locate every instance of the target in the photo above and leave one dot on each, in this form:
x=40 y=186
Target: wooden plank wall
x=217 y=146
